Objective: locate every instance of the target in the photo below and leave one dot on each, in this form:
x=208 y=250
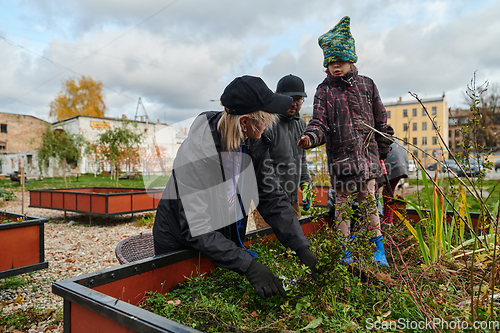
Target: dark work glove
x=307 y=258
x=306 y=189
x=263 y=280
x=383 y=156
x=307 y=204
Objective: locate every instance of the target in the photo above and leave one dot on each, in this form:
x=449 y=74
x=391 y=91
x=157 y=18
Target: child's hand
x=304 y=142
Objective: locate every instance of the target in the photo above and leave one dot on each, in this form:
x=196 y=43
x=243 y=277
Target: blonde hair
x=230 y=129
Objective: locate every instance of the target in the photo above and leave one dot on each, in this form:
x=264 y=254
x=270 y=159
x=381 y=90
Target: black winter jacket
x=289 y=160
x=195 y=200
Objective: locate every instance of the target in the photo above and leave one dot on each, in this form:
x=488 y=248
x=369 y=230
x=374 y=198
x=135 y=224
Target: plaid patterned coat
x=343 y=106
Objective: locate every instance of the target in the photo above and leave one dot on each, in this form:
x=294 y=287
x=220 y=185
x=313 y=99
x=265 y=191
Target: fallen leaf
x=19 y=300
x=386 y=278
x=175 y=303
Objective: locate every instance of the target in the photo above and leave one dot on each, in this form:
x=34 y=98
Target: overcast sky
x=178 y=55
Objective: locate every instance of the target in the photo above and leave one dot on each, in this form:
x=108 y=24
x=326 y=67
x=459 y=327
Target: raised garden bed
x=21 y=244
x=104 y=201
x=106 y=301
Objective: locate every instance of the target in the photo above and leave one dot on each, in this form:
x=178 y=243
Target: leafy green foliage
x=65 y=148
x=148 y=219
x=7 y=195
x=119 y=144
x=339 y=301
x=23 y=319
x=13 y=282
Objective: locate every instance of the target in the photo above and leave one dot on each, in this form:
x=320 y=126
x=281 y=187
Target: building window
x=434 y=126
x=424 y=126
x=457 y=133
x=434 y=140
x=389 y=114
x=415 y=153
x=3 y=145
x=449 y=133
x=423 y=112
x=3 y=128
x=405 y=127
x=414 y=112
x=434 y=111
x=405 y=113
x=424 y=141
x=414 y=126
x=414 y=141
x=29 y=159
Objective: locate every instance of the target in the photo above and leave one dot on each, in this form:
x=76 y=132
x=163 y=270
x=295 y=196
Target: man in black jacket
x=288 y=159
x=219 y=170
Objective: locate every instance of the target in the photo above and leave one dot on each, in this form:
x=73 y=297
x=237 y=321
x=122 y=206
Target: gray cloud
x=178 y=56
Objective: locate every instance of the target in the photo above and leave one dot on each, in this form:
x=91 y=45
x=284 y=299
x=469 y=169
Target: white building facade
x=157 y=150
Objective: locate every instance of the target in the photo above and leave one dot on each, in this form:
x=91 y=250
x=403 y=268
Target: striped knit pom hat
x=338 y=43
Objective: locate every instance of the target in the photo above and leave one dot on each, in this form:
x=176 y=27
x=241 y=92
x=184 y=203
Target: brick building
x=460 y=118
x=20 y=137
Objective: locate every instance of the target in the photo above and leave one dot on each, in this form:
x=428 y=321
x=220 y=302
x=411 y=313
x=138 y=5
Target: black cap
x=247 y=94
x=291 y=85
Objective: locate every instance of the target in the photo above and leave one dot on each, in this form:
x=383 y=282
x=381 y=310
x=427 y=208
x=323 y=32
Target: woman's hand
x=304 y=142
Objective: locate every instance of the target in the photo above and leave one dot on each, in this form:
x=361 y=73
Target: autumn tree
x=120 y=144
x=79 y=97
x=65 y=148
x=487 y=132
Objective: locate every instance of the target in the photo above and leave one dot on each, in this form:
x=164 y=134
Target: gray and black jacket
x=193 y=212
x=288 y=159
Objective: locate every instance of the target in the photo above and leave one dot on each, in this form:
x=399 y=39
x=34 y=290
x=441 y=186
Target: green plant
x=340 y=300
x=437 y=238
x=5 y=220
x=7 y=195
x=65 y=148
x=148 y=219
x=472 y=246
x=13 y=282
x=119 y=144
x=24 y=319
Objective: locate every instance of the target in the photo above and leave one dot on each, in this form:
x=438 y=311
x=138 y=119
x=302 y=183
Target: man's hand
x=265 y=283
x=304 y=142
x=307 y=258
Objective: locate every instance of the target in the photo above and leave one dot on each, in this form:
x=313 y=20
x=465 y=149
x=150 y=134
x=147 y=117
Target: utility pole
x=162 y=166
x=139 y=102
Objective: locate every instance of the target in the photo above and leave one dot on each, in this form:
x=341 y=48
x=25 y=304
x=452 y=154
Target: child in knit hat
x=346 y=108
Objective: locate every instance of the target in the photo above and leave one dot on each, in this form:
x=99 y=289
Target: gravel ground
x=72 y=248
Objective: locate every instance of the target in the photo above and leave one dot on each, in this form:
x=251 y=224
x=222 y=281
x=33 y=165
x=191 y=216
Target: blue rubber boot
x=379 y=251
